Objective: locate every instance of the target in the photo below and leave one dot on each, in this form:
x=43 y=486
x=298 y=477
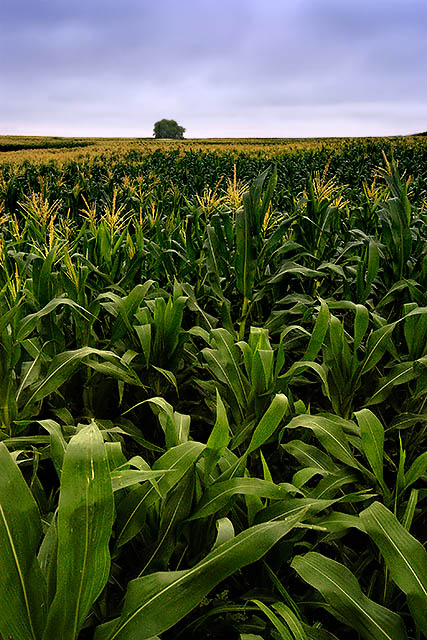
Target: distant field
x=43 y=149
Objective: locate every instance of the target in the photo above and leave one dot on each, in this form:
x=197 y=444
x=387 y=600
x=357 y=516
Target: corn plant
x=206 y=364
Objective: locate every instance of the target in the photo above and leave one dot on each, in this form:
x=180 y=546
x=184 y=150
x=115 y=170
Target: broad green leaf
x=176 y=426
x=415 y=330
x=411 y=506
x=330 y=434
x=131 y=511
x=337 y=522
x=27 y=324
x=375 y=348
x=291 y=267
x=174 y=509
x=219 y=494
x=372 y=435
x=22 y=584
x=118 y=371
x=245 y=249
x=310 y=456
x=156 y=602
x=126 y=310
x=128 y=477
x=283 y=509
x=61 y=368
x=405 y=557
x=143 y=332
x=361 y=323
x=29 y=374
x=230 y=355
x=224 y=371
x=341 y=590
x=417 y=469
x=261 y=373
x=300 y=366
x=399 y=374
x=85 y=514
x=219 y=437
x=269 y=422
x=319 y=333
x=168 y=375
x=58 y=444
x=332 y=483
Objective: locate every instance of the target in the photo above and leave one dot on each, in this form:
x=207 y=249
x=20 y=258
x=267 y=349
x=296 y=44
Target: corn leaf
x=405 y=557
x=22 y=584
x=85 y=515
x=156 y=602
x=219 y=494
x=341 y=590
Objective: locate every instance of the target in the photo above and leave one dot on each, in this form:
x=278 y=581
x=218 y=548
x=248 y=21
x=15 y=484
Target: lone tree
x=168 y=129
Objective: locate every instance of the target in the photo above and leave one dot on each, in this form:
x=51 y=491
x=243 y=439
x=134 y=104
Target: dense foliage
x=213 y=395
x=168 y=129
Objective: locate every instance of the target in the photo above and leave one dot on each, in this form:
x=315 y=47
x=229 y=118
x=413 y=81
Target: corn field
x=213 y=386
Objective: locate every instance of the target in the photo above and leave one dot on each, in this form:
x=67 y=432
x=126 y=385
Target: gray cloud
x=229 y=67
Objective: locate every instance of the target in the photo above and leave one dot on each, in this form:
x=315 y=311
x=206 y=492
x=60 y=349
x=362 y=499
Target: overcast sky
x=221 y=68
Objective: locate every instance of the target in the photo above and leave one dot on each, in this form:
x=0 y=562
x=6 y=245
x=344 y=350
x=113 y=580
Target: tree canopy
x=168 y=129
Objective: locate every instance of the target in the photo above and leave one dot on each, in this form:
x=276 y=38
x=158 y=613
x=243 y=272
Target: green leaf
x=291 y=620
x=58 y=444
x=219 y=437
x=337 y=522
x=118 y=371
x=319 y=333
x=211 y=246
x=269 y=422
x=373 y=266
x=275 y=620
x=245 y=248
x=27 y=324
x=131 y=511
x=361 y=323
x=127 y=477
x=176 y=426
x=230 y=356
x=126 y=310
x=330 y=434
x=375 y=348
x=372 y=435
x=61 y=368
x=85 y=520
x=22 y=584
x=416 y=470
x=143 y=332
x=174 y=509
x=156 y=602
x=219 y=494
x=405 y=557
x=225 y=532
x=399 y=374
x=341 y=590
x=310 y=456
